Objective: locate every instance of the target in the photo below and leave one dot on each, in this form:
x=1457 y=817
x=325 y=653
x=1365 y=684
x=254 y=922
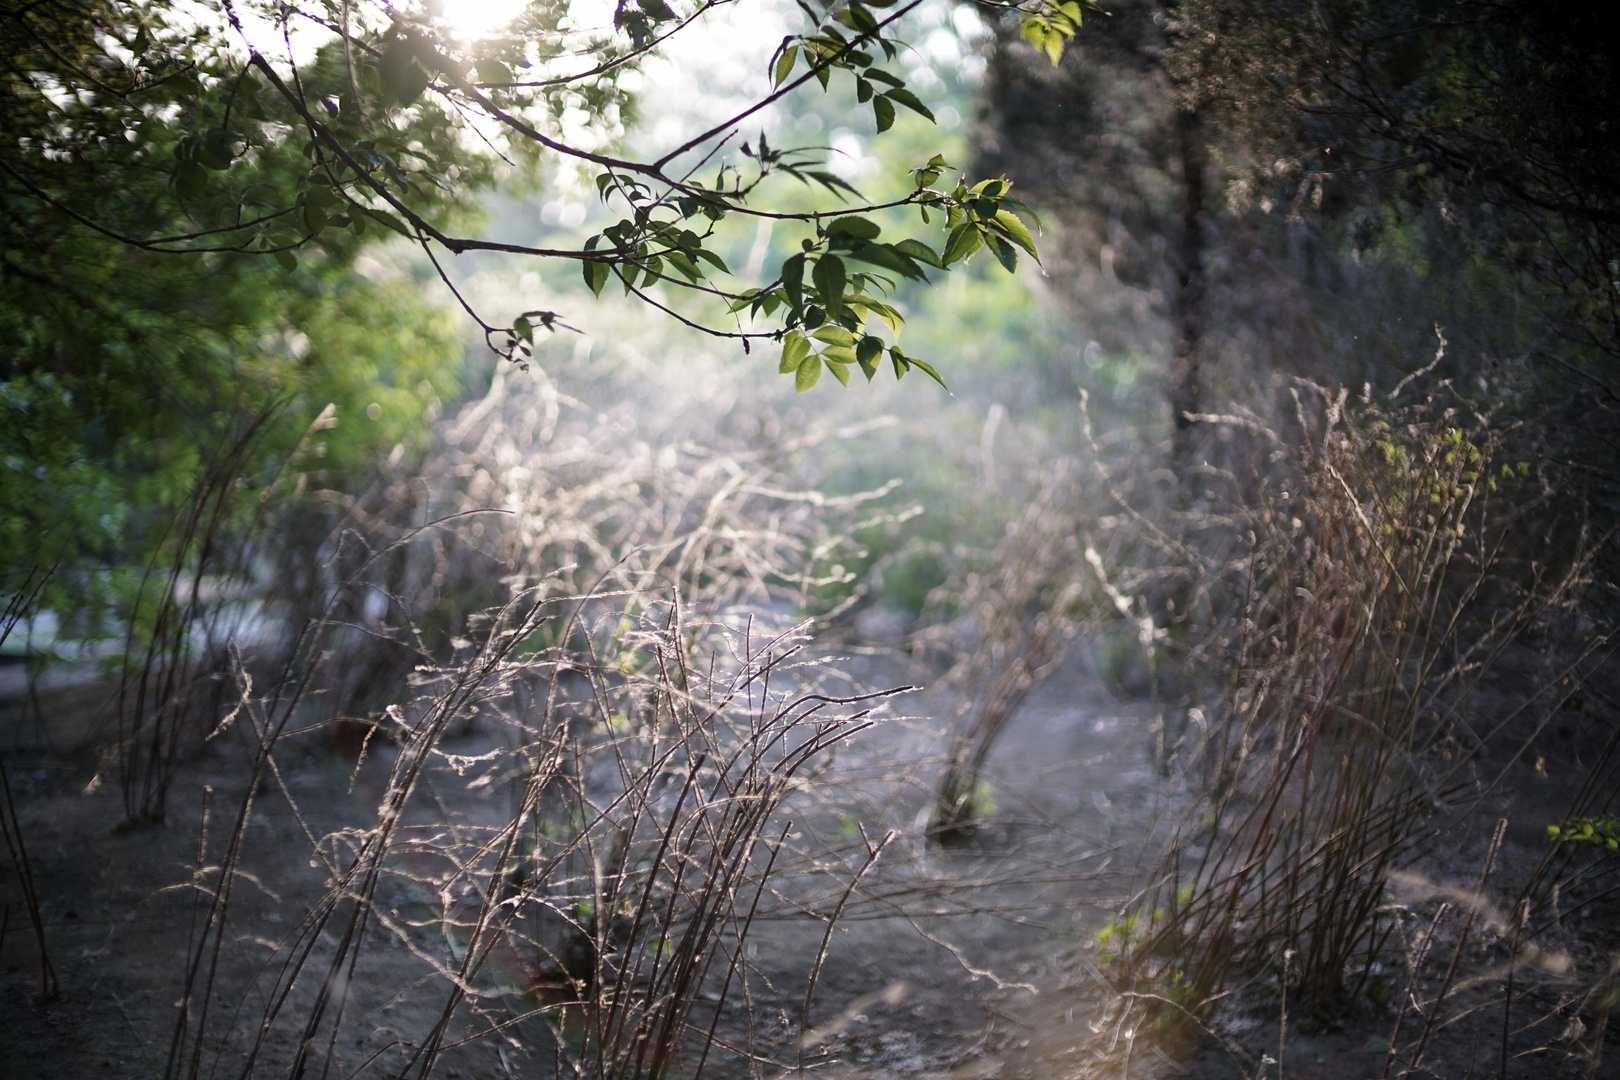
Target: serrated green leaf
x=883 y=113
x=921 y=252
x=839 y=369
x=856 y=228
x=888 y=257
x=793 y=282
x=890 y=317
x=830 y=277
x=868 y=352
x=809 y=373
x=831 y=181
x=964 y=240
x=834 y=335
x=1005 y=253
x=712 y=259
x=784 y=65
x=1015 y=231
x=928 y=369
x=795 y=347
x=595 y=273
x=683 y=263
x=1014 y=204
x=911 y=101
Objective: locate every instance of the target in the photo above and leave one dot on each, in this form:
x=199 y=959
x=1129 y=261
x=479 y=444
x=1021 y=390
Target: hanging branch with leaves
x=294 y=128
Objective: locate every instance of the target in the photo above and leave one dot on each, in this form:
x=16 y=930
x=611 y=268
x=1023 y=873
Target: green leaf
x=403 y=76
x=1005 y=253
x=856 y=228
x=217 y=149
x=928 y=369
x=1054 y=52
x=795 y=347
x=831 y=181
x=793 y=282
x=681 y=261
x=321 y=196
x=901 y=364
x=809 y=373
x=1016 y=232
x=868 y=353
x=891 y=318
x=288 y=261
x=784 y=65
x=834 y=335
x=910 y=101
x=921 y=252
x=964 y=240
x=1023 y=211
x=889 y=258
x=839 y=369
x=829 y=277
x=883 y=112
x=712 y=259
x=596 y=274
x=492 y=71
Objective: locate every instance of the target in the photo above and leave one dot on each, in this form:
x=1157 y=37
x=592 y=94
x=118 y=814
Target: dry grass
x=1351 y=589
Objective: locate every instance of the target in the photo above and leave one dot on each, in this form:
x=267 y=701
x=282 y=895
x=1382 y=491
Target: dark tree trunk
x=1187 y=305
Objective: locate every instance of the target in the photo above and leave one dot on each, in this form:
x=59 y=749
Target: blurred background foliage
x=129 y=376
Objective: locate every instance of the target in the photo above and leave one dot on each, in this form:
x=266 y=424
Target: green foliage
x=1050 y=29
x=1601 y=832
x=131 y=375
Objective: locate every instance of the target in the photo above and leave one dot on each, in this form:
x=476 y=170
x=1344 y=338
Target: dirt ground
x=958 y=964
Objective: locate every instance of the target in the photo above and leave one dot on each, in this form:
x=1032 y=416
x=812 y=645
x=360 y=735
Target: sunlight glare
x=473 y=19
